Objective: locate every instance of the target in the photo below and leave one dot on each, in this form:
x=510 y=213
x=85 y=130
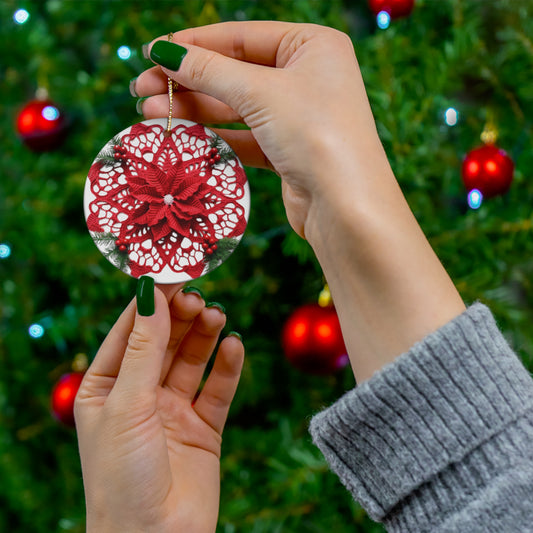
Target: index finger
x=252 y=41
x=255 y=42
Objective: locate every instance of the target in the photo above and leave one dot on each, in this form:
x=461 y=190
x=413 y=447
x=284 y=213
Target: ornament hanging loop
x=489 y=135
x=324 y=298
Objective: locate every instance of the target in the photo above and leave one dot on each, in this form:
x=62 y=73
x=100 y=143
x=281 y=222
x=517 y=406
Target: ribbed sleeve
x=442 y=438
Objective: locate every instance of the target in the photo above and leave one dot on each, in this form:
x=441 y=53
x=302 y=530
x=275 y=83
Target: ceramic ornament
x=167 y=200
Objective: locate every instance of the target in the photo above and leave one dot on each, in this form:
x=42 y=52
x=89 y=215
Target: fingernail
x=235 y=334
x=145 y=296
x=220 y=307
x=167 y=54
x=139 y=105
x=146 y=50
x=133 y=92
x=192 y=290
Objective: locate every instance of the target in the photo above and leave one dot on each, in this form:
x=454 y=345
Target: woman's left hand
x=149 y=444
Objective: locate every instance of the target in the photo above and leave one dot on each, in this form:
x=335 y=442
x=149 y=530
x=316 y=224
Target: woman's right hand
x=296 y=86
x=299 y=89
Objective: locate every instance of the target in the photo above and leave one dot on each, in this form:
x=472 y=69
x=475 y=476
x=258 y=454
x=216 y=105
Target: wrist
x=350 y=194
x=389 y=288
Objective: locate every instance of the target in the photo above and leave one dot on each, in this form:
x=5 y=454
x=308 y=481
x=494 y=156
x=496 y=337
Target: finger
x=151 y=81
x=170 y=290
x=190 y=106
x=224 y=78
x=109 y=357
x=143 y=358
x=214 y=401
x=251 y=41
x=243 y=143
x=187 y=369
x=184 y=308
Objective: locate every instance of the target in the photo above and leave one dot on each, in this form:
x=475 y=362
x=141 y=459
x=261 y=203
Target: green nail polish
x=139 y=105
x=133 y=92
x=235 y=334
x=168 y=55
x=192 y=290
x=220 y=307
x=145 y=296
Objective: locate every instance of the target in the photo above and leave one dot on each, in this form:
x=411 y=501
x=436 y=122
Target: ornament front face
x=312 y=340
x=41 y=125
x=171 y=205
x=488 y=169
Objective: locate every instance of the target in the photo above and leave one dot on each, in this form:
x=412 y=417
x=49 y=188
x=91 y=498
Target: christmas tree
x=437 y=78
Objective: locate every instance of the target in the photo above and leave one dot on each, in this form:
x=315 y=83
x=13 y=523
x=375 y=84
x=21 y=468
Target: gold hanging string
x=172 y=86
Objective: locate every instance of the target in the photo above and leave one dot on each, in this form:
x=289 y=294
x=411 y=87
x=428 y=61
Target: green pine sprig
x=224 y=151
x=106 y=244
x=107 y=154
x=224 y=249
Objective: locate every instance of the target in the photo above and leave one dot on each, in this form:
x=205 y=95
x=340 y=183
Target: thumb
x=141 y=367
x=229 y=80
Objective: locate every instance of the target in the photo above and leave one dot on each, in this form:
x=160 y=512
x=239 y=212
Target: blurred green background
x=473 y=55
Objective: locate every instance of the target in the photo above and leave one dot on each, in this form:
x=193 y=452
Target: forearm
x=388 y=285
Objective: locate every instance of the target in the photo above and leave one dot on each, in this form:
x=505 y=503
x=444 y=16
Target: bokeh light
x=36 y=331
x=124 y=52
x=451 y=116
x=50 y=112
x=383 y=20
x=475 y=199
x=5 y=251
x=21 y=16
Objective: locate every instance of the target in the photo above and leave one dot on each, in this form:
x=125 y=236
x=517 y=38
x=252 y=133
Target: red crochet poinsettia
x=167 y=200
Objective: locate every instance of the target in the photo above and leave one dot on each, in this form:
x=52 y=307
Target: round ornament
x=167 y=200
x=63 y=396
x=488 y=169
x=312 y=340
x=41 y=125
x=395 y=8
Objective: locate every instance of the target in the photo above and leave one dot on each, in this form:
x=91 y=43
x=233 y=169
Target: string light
x=36 y=331
x=475 y=199
x=383 y=20
x=50 y=112
x=124 y=52
x=5 y=251
x=451 y=116
x=21 y=16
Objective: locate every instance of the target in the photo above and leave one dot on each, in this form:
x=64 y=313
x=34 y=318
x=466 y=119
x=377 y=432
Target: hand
x=149 y=452
x=303 y=115
x=299 y=89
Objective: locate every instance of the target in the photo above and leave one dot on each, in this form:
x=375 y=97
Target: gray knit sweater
x=440 y=440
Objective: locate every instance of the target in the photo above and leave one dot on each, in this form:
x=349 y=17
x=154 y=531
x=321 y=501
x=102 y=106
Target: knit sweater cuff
x=434 y=407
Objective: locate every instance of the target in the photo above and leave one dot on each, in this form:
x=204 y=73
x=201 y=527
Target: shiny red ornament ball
x=488 y=169
x=312 y=340
x=41 y=125
x=395 y=8
x=63 y=396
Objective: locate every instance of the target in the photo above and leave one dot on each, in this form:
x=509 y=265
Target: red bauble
x=312 y=340
x=41 y=125
x=395 y=8
x=488 y=169
x=63 y=396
